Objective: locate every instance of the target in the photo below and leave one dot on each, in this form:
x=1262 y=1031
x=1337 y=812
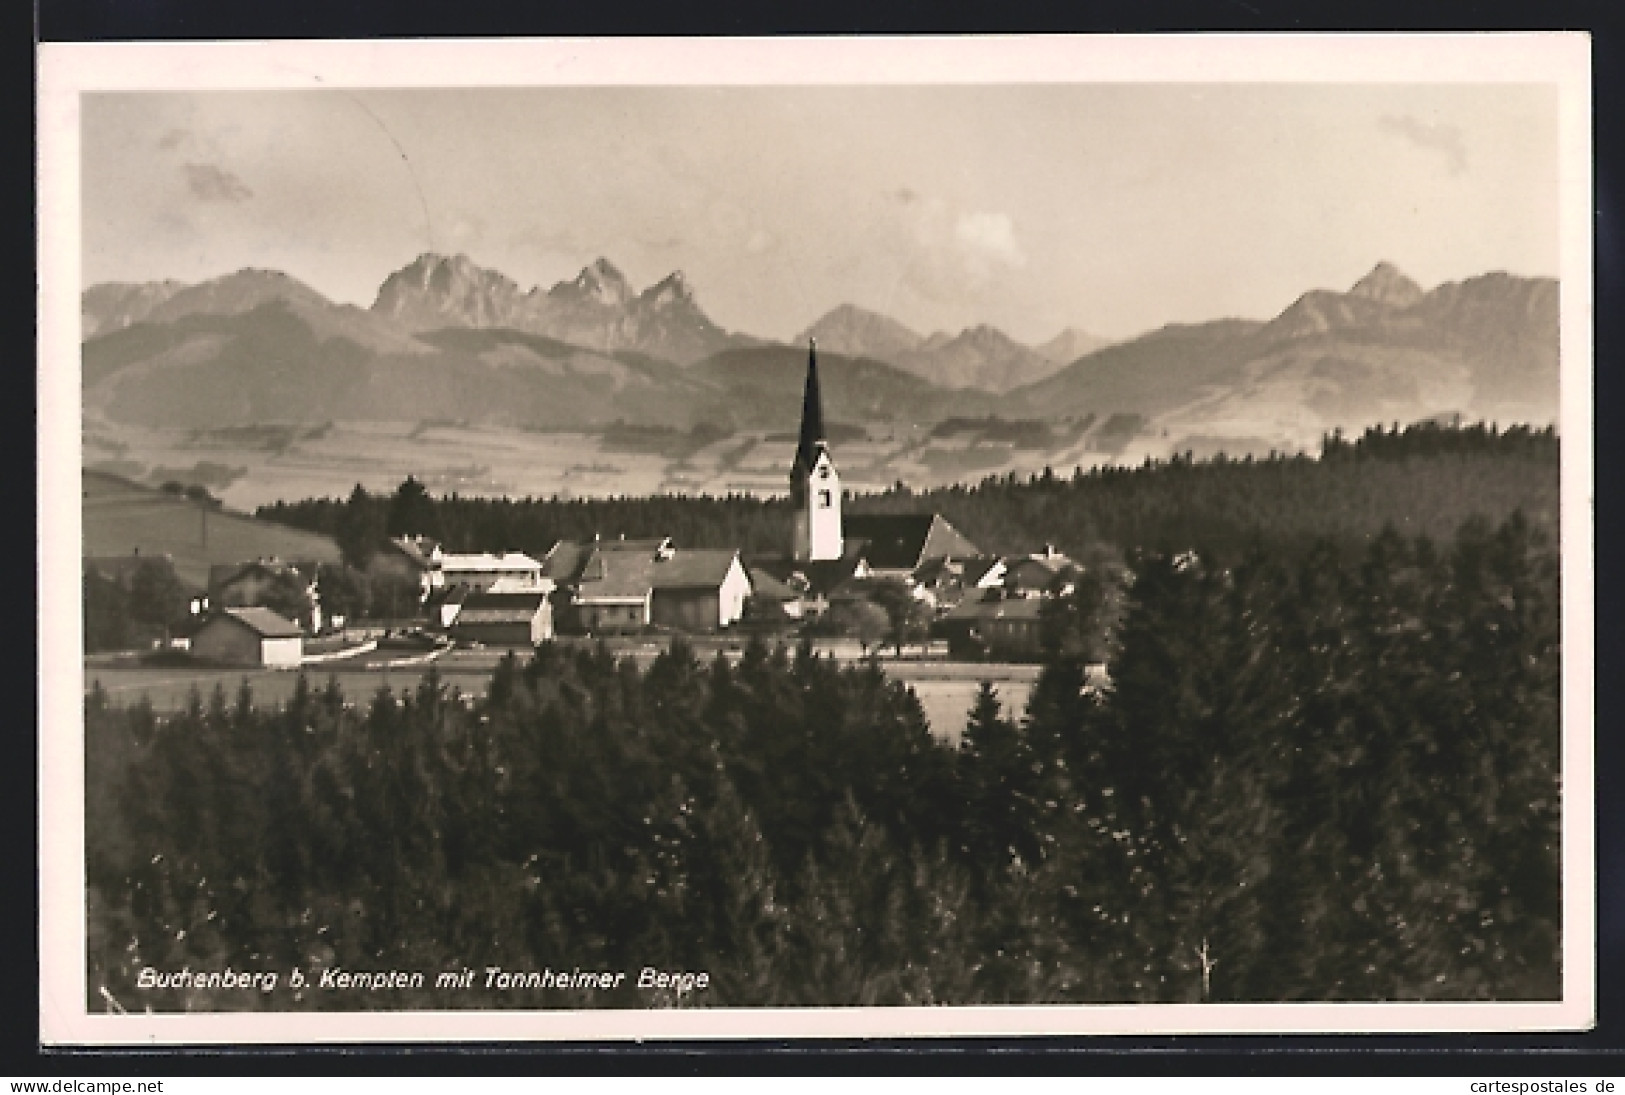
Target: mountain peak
x=1071 y=344
x=858 y=332
x=600 y=282
x=1386 y=285
x=435 y=290
x=669 y=290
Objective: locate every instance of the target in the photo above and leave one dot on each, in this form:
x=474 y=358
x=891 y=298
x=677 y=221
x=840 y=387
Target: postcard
x=864 y=537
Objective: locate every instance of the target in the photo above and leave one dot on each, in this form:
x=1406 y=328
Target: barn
x=626 y=585
x=516 y=618
x=699 y=590
x=249 y=636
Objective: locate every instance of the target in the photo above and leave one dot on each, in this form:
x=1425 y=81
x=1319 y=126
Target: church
x=829 y=549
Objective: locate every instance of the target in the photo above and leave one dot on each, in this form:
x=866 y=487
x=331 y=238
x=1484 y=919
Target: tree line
x=1424 y=479
x=1312 y=777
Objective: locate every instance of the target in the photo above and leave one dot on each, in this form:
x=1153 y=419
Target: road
x=946 y=689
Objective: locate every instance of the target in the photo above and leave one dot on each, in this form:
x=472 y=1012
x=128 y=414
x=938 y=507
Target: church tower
x=815 y=488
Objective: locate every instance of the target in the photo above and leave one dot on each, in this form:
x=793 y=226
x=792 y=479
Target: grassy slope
x=121 y=517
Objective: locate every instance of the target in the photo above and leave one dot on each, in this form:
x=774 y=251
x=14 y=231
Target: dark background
x=1599 y=1053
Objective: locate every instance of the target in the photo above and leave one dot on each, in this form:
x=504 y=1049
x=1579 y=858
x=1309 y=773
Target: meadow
x=253 y=466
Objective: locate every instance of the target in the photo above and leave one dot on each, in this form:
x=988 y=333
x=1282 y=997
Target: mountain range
x=448 y=339
x=980 y=357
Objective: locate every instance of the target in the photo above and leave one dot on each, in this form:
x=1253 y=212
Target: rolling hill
x=122 y=518
x=1383 y=351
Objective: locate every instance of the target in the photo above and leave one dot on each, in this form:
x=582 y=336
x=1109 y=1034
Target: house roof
x=565 y=559
x=493 y=616
x=521 y=583
x=531 y=600
x=902 y=541
x=977 y=567
x=823 y=575
x=501 y=608
x=262 y=621
x=1047 y=567
x=454 y=594
x=769 y=587
x=629 y=570
x=416 y=549
x=997 y=608
x=695 y=568
x=451 y=562
x=222 y=574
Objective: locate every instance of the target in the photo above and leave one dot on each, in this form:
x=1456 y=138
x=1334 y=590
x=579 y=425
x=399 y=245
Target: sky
x=1115 y=208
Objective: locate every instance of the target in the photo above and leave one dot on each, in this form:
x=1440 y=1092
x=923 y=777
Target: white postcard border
x=68 y=70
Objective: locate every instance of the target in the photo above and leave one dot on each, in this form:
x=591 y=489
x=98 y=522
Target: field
x=251 y=466
x=945 y=689
x=121 y=519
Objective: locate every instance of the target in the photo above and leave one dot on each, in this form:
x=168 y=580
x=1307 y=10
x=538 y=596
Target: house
x=1038 y=575
x=613 y=586
x=507 y=618
x=249 y=636
x=895 y=545
x=626 y=585
x=816 y=583
x=414 y=559
x=945 y=580
x=269 y=582
x=775 y=598
x=484 y=569
x=993 y=625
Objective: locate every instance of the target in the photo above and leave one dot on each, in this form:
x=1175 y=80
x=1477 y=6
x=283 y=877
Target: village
x=908 y=588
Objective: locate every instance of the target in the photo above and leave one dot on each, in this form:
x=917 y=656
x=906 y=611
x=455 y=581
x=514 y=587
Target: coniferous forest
x=1424 y=479
x=1326 y=768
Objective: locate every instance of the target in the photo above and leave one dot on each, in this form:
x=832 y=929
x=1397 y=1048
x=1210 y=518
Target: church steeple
x=812 y=416
x=815 y=488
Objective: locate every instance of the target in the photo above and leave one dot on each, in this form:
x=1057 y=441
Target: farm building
x=994 y=625
x=518 y=618
x=249 y=636
x=699 y=590
x=625 y=585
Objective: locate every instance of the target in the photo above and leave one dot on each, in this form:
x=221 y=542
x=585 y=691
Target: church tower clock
x=815 y=486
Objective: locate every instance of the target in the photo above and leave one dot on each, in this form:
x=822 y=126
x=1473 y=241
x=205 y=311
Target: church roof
x=812 y=418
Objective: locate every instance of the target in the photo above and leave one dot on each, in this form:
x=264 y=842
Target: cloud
x=214 y=184
x=1438 y=137
x=986 y=239
x=173 y=139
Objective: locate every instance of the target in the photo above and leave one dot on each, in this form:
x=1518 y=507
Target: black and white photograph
x=728 y=538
